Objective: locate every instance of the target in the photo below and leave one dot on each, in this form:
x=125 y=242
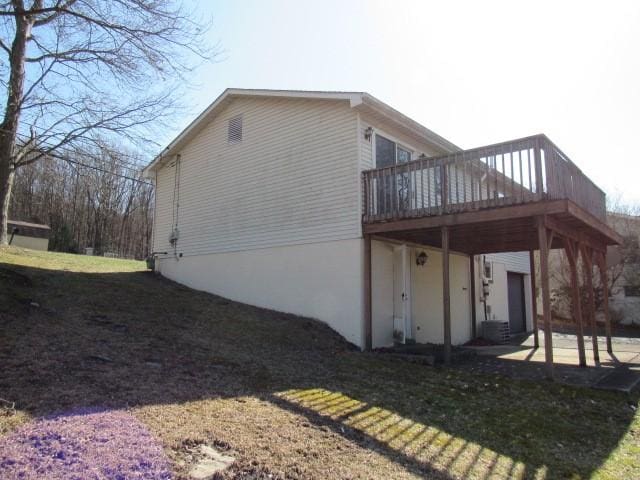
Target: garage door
x=515 y=283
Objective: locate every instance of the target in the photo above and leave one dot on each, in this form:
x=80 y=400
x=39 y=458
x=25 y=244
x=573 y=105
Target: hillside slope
x=284 y=395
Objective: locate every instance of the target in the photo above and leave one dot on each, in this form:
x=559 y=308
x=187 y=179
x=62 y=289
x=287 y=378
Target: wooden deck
x=490 y=197
x=521 y=195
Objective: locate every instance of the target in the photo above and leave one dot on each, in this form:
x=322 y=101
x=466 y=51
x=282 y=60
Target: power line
x=75 y=162
x=96 y=159
x=59 y=132
x=123 y=164
x=120 y=162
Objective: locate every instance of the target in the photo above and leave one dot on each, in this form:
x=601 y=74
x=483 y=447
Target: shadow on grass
x=119 y=340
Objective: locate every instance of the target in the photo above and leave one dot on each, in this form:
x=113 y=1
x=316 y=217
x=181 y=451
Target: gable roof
x=359 y=100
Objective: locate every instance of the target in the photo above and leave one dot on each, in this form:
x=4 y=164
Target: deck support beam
x=534 y=299
x=546 y=298
x=587 y=266
x=572 y=255
x=368 y=319
x=472 y=293
x=602 y=266
x=446 y=295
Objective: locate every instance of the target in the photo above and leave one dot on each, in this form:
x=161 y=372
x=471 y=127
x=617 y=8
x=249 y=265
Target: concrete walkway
x=618 y=371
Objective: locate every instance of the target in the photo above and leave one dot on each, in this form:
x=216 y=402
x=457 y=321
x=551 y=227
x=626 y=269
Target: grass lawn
x=282 y=394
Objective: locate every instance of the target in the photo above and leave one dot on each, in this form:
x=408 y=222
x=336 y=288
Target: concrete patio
x=519 y=359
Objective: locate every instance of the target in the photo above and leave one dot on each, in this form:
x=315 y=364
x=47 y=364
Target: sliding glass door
x=394 y=190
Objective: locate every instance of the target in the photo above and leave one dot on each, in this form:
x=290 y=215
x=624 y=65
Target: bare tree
x=89 y=199
x=77 y=70
x=622 y=264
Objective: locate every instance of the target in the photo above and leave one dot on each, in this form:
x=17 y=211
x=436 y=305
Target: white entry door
x=401 y=294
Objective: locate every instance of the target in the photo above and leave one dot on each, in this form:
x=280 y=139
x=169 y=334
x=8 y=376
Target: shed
x=28 y=235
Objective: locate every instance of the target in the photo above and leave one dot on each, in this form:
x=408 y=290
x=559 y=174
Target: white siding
x=164 y=209
x=513 y=261
x=293 y=179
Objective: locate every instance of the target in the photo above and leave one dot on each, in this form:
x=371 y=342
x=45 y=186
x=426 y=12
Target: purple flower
x=85 y=444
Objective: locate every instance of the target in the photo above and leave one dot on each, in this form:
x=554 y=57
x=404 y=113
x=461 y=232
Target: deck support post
x=446 y=295
x=576 y=303
x=602 y=266
x=546 y=299
x=368 y=341
x=472 y=293
x=534 y=299
x=587 y=266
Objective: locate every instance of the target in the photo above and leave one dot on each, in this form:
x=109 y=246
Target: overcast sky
x=476 y=72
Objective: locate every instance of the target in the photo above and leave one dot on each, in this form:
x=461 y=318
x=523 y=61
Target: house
x=28 y=235
x=624 y=265
x=333 y=205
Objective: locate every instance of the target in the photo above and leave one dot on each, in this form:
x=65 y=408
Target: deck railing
x=520 y=171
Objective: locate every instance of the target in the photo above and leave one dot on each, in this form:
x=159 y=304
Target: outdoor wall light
x=421 y=259
x=368 y=133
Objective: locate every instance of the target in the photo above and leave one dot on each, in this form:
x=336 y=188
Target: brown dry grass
x=284 y=394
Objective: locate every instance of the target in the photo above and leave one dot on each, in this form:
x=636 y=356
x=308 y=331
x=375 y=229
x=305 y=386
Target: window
x=385 y=152
x=390 y=153
x=402 y=155
x=234 y=133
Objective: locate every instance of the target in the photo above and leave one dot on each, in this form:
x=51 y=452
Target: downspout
x=178 y=175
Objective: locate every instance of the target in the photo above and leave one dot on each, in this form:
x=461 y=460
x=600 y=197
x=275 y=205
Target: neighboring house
x=28 y=235
x=311 y=203
x=624 y=265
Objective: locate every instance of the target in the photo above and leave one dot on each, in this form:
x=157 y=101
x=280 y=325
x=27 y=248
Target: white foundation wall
x=427 y=306
x=318 y=280
x=381 y=294
x=425 y=295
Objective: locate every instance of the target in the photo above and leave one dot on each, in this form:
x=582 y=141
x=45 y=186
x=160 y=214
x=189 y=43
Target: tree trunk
x=9 y=127
x=7 y=174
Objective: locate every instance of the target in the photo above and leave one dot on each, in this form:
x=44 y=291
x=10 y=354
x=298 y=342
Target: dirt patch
x=83 y=444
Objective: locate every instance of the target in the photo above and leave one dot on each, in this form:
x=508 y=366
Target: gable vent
x=234 y=134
